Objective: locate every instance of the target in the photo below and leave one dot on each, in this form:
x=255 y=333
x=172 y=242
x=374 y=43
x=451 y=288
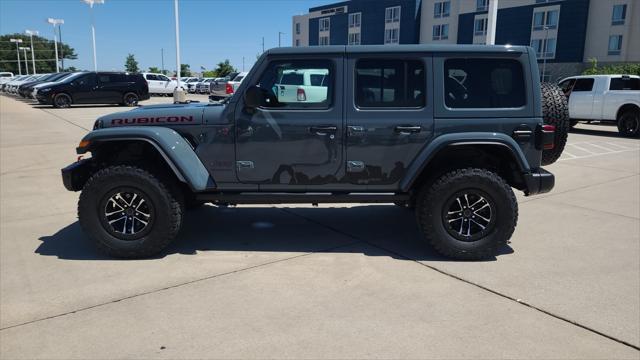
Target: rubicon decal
x=152 y=120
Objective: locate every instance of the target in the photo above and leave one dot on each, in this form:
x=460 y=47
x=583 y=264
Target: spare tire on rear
x=555 y=111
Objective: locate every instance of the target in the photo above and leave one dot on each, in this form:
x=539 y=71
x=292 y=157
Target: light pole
x=279 y=33
x=162 y=57
x=33 y=53
x=26 y=64
x=18 y=42
x=55 y=22
x=178 y=93
x=93 y=29
x=544 y=51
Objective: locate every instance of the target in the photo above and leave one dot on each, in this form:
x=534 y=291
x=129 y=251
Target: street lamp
x=178 y=93
x=93 y=29
x=55 y=22
x=33 y=53
x=18 y=42
x=26 y=64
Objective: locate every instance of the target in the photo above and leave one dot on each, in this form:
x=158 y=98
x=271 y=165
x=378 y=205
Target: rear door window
x=390 y=83
x=624 y=84
x=484 y=83
x=585 y=84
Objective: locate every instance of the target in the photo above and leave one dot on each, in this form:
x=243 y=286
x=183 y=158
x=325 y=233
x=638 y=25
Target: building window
x=545 y=48
x=484 y=83
x=480 y=27
x=325 y=24
x=619 y=14
x=615 y=44
x=545 y=20
x=390 y=83
x=441 y=9
x=391 y=36
x=297 y=28
x=354 y=39
x=324 y=40
x=441 y=32
x=297 y=42
x=354 y=20
x=392 y=14
x=482 y=5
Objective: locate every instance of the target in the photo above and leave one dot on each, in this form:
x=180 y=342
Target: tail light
x=228 y=89
x=548 y=137
x=302 y=96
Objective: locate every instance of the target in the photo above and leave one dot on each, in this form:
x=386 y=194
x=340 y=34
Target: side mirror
x=253 y=97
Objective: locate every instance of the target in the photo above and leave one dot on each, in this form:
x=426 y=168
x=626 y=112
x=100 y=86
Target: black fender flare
x=174 y=148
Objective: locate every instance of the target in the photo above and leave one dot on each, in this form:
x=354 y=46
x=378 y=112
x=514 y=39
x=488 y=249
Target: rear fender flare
x=429 y=152
x=175 y=150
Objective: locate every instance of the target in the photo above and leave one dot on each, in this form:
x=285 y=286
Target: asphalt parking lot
x=328 y=282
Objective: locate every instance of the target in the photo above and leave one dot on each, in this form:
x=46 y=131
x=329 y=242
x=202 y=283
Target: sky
x=210 y=30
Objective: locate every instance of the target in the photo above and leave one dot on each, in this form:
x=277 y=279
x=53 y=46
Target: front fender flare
x=175 y=150
x=473 y=138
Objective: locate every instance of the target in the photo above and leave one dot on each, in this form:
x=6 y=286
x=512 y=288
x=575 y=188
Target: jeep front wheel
x=128 y=212
x=467 y=213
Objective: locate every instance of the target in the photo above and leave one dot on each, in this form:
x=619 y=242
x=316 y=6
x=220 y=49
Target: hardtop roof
x=404 y=48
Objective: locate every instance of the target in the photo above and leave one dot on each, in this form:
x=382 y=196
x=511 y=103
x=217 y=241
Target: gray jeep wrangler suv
x=445 y=130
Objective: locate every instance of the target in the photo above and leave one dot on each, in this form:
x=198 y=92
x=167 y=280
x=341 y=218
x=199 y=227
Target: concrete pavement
x=329 y=282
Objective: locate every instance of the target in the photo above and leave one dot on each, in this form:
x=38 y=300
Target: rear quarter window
x=484 y=83
x=624 y=84
x=583 y=84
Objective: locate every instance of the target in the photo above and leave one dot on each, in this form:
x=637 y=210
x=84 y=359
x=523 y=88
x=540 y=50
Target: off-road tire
x=629 y=123
x=61 y=101
x=433 y=199
x=167 y=211
x=555 y=111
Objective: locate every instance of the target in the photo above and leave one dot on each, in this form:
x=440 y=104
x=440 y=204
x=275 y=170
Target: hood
x=157 y=115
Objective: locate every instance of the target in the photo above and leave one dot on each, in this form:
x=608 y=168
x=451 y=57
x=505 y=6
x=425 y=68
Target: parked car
x=34 y=90
x=160 y=84
x=96 y=88
x=4 y=81
x=415 y=139
x=606 y=98
x=191 y=84
x=5 y=77
x=306 y=85
x=232 y=86
x=26 y=89
x=218 y=90
x=203 y=86
x=12 y=86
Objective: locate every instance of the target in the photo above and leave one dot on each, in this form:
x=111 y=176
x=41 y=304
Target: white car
x=5 y=77
x=605 y=98
x=308 y=85
x=160 y=84
x=191 y=83
x=12 y=86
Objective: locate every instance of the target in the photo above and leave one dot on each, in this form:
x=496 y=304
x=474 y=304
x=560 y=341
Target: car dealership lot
x=334 y=281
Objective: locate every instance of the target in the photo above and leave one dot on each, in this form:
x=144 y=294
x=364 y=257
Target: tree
x=185 y=70
x=131 y=65
x=153 y=69
x=224 y=68
x=209 y=74
x=43 y=48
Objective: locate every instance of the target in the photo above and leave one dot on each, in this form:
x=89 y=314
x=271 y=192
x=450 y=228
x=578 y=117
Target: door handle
x=323 y=130
x=408 y=129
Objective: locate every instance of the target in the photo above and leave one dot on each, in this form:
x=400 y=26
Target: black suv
x=96 y=88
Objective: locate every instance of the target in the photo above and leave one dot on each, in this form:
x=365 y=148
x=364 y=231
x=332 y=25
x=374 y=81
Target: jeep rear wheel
x=555 y=111
x=128 y=212
x=62 y=101
x=629 y=123
x=467 y=213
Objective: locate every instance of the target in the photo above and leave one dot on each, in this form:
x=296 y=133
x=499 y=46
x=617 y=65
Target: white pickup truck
x=605 y=98
x=308 y=85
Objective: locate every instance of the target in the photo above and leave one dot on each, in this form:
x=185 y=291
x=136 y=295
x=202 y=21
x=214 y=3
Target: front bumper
x=76 y=175
x=539 y=181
